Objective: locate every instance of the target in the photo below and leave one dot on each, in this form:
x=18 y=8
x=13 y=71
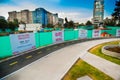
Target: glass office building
x=40 y=16
x=98 y=13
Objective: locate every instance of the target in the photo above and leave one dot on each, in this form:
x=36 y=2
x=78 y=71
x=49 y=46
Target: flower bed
x=112 y=50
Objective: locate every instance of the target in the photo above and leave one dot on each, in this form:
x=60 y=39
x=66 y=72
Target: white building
x=30 y=27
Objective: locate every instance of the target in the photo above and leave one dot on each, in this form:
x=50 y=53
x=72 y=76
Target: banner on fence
x=96 y=33
x=82 y=34
x=22 y=42
x=58 y=36
x=118 y=32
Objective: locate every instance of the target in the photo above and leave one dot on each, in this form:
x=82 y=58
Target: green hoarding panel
x=113 y=27
x=5 y=47
x=45 y=38
x=69 y=35
x=76 y=34
x=89 y=34
x=37 y=40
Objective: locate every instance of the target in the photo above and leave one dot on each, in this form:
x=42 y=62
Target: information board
x=58 y=36
x=22 y=42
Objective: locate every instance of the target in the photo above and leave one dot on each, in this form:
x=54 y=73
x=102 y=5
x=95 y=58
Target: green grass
x=81 y=68
x=97 y=51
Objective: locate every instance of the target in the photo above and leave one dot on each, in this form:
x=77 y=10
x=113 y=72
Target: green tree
x=88 y=23
x=116 y=13
x=71 y=24
x=12 y=26
x=82 y=24
x=16 y=23
x=109 y=22
x=49 y=26
x=3 y=24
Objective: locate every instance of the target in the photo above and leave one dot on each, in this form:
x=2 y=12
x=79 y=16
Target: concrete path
x=55 y=65
x=84 y=78
x=103 y=65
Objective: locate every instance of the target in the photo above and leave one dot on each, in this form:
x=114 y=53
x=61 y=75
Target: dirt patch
x=114 y=49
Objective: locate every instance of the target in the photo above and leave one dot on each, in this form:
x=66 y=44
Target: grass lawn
x=97 y=51
x=81 y=68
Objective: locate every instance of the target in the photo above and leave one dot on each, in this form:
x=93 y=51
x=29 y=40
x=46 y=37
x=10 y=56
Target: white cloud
x=6 y=8
x=80 y=15
x=76 y=17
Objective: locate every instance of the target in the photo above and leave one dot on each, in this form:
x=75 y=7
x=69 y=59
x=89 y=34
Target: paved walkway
x=84 y=78
x=55 y=65
x=103 y=65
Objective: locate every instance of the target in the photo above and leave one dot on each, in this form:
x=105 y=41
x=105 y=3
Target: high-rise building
x=40 y=16
x=23 y=16
x=61 y=21
x=12 y=15
x=50 y=18
x=55 y=19
x=98 y=13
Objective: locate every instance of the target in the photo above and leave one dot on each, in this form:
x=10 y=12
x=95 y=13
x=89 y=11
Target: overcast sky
x=76 y=10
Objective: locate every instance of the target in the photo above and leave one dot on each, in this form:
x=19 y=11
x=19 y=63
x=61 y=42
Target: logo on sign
x=58 y=36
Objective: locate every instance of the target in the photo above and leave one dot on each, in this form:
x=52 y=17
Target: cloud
x=7 y=8
x=75 y=16
x=80 y=15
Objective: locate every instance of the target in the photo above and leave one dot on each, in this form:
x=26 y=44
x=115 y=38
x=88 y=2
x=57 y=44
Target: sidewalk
x=55 y=65
x=103 y=65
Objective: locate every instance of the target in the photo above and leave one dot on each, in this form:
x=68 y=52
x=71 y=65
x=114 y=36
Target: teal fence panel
x=69 y=35
x=5 y=47
x=45 y=38
x=113 y=27
x=113 y=32
x=89 y=33
x=76 y=32
x=37 y=39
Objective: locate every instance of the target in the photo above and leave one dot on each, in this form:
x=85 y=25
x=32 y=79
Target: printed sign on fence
x=118 y=32
x=82 y=34
x=58 y=36
x=96 y=33
x=22 y=42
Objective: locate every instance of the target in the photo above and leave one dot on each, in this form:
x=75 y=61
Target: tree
x=3 y=24
x=16 y=23
x=13 y=25
x=66 y=23
x=116 y=13
x=82 y=24
x=66 y=20
x=50 y=25
x=109 y=22
x=88 y=23
x=71 y=24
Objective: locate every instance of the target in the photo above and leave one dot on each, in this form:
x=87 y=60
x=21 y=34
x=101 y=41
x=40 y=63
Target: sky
x=76 y=10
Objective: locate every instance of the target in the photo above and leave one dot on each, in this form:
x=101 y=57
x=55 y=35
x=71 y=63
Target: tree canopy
x=11 y=25
x=88 y=23
x=116 y=13
x=3 y=24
